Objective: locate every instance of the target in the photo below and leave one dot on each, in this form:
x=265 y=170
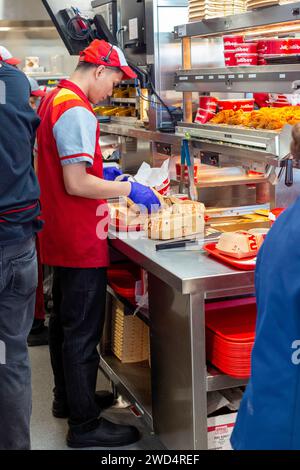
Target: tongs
x=186 y=160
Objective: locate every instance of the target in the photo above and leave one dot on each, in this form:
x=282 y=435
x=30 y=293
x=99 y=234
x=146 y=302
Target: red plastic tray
x=246 y=264
x=122 y=279
x=119 y=227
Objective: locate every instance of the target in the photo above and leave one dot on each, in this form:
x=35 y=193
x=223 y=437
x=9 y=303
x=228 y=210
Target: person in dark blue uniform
x=19 y=211
x=269 y=416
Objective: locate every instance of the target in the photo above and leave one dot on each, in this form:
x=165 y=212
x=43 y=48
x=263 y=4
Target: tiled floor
x=48 y=433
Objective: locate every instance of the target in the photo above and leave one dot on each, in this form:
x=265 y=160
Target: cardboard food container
x=276 y=47
x=232 y=41
x=219 y=431
x=207 y=109
x=124 y=216
x=246 y=48
x=246 y=60
x=240 y=244
x=229 y=57
x=243 y=104
x=183 y=218
x=294 y=46
x=186 y=173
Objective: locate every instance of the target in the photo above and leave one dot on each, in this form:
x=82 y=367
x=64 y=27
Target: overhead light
x=5 y=28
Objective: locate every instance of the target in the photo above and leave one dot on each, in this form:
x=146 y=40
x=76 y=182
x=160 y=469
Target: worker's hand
x=143 y=195
x=111 y=173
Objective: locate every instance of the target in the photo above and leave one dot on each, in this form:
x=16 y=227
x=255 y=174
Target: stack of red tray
x=122 y=278
x=230 y=334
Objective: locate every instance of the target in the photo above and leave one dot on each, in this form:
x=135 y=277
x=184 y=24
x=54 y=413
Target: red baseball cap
x=100 y=52
x=35 y=89
x=7 y=57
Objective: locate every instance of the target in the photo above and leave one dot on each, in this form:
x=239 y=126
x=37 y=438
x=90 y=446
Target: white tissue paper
x=157 y=178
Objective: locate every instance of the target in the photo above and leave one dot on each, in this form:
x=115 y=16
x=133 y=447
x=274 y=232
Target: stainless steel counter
x=179 y=283
x=186 y=271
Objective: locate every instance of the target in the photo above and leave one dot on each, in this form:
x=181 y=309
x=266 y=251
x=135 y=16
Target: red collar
x=71 y=86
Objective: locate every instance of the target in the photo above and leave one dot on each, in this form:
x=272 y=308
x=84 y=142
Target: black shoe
x=104 y=399
x=107 y=434
x=38 y=337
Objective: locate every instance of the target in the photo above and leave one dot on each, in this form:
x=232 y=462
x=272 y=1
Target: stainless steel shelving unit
x=133 y=381
x=274 y=78
x=260 y=18
x=124 y=100
x=179 y=379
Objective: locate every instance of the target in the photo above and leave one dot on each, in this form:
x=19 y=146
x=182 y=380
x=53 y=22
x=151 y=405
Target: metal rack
x=262 y=17
x=274 y=78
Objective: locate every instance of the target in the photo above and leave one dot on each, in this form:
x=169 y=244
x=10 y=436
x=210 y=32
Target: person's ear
x=99 y=71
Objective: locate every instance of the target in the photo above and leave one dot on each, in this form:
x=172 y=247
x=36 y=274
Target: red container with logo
x=246 y=105
x=276 y=47
x=186 y=172
x=294 y=46
x=208 y=103
x=230 y=59
x=246 y=60
x=261 y=60
x=246 y=48
x=207 y=109
x=231 y=42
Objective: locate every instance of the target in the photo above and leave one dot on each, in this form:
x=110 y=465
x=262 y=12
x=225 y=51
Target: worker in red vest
x=74 y=239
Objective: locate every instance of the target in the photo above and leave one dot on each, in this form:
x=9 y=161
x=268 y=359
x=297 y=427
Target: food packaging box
x=246 y=48
x=243 y=60
x=243 y=104
x=182 y=219
x=219 y=430
x=186 y=173
x=294 y=46
x=207 y=109
x=121 y=215
x=232 y=41
x=276 y=47
x=229 y=57
x=240 y=244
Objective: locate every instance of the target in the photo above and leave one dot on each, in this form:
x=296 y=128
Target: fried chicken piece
x=275 y=124
x=236 y=119
x=222 y=117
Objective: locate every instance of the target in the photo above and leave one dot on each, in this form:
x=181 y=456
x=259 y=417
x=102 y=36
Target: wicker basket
x=129 y=336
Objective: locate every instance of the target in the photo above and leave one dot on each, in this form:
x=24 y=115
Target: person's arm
x=79 y=183
x=75 y=135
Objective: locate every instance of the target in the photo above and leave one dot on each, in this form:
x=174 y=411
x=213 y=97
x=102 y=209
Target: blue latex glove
x=111 y=173
x=143 y=195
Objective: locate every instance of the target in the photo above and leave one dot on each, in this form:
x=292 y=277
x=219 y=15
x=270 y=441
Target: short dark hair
x=86 y=66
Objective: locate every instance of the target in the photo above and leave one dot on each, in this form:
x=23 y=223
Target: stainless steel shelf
x=217 y=381
x=134 y=381
x=226 y=182
x=274 y=78
x=124 y=100
x=262 y=17
x=129 y=130
x=240 y=142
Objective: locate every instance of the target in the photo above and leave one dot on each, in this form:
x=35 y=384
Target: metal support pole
x=187 y=65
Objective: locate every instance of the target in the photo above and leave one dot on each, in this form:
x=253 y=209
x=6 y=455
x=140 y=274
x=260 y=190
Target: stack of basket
x=129 y=336
x=230 y=334
x=204 y=9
